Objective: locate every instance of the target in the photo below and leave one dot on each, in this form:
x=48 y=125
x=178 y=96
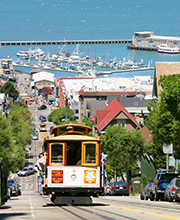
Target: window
x=90 y=154
x=122 y=122
x=81 y=105
x=56 y=154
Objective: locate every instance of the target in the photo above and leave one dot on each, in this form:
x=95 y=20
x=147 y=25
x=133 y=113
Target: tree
x=9 y=89
x=124 y=148
x=15 y=135
x=12 y=153
x=58 y=114
x=87 y=121
x=164 y=118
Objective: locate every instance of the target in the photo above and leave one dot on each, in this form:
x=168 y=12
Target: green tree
x=123 y=147
x=9 y=89
x=164 y=119
x=87 y=121
x=58 y=114
x=10 y=153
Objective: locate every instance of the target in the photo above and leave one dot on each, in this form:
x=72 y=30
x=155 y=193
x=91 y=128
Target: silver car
x=171 y=192
x=107 y=188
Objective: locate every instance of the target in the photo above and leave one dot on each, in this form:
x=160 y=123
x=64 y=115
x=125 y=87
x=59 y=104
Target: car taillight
x=173 y=189
x=149 y=190
x=158 y=183
x=108 y=187
x=114 y=187
x=127 y=187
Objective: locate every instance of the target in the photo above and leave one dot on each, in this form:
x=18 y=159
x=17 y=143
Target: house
x=86 y=97
x=163 y=68
x=115 y=114
x=41 y=80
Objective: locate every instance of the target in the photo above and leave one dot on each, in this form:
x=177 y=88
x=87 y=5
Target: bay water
x=88 y=20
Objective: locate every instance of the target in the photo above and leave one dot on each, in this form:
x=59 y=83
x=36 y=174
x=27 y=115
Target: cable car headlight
x=73 y=177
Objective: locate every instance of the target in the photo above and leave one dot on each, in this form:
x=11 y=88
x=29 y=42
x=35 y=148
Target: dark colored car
x=14 y=187
x=170 y=192
x=146 y=191
x=42 y=118
x=160 y=183
x=42 y=107
x=119 y=188
x=107 y=188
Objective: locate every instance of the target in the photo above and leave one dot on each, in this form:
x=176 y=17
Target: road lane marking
x=32 y=211
x=145 y=212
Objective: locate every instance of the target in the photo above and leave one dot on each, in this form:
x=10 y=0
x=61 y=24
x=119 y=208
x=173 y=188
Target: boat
x=165 y=48
x=30 y=53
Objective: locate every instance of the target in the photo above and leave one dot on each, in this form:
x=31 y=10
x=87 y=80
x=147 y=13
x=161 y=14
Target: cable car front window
x=90 y=155
x=57 y=153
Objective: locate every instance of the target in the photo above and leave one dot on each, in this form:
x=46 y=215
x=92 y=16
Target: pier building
x=147 y=40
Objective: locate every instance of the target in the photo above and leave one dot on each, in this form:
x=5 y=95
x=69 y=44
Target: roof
x=104 y=117
x=147 y=134
x=72 y=138
x=108 y=93
x=61 y=129
x=97 y=105
x=1 y=83
x=43 y=76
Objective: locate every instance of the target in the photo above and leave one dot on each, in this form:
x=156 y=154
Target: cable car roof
x=64 y=129
x=64 y=138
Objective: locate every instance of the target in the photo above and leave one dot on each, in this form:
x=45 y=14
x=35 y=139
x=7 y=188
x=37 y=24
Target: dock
x=132 y=69
x=133 y=47
x=62 y=42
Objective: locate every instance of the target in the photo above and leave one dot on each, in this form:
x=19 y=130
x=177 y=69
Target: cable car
x=73 y=165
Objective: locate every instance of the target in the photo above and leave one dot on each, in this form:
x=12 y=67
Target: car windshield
x=120 y=183
x=109 y=184
x=168 y=177
x=25 y=169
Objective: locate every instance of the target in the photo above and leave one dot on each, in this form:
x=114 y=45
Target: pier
x=62 y=42
x=131 y=69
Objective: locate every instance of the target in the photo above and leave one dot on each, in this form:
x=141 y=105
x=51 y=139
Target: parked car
x=14 y=187
x=119 y=188
x=160 y=183
x=107 y=188
x=35 y=132
x=35 y=137
x=42 y=107
x=26 y=171
x=146 y=191
x=170 y=192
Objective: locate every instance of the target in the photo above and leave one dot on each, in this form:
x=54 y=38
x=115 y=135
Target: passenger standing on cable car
x=43 y=170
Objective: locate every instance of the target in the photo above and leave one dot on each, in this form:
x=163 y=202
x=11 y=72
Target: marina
x=75 y=63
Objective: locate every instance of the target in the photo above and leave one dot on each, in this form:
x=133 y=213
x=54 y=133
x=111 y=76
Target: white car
x=26 y=171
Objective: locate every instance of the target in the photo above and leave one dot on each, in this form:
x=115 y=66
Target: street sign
x=167 y=148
